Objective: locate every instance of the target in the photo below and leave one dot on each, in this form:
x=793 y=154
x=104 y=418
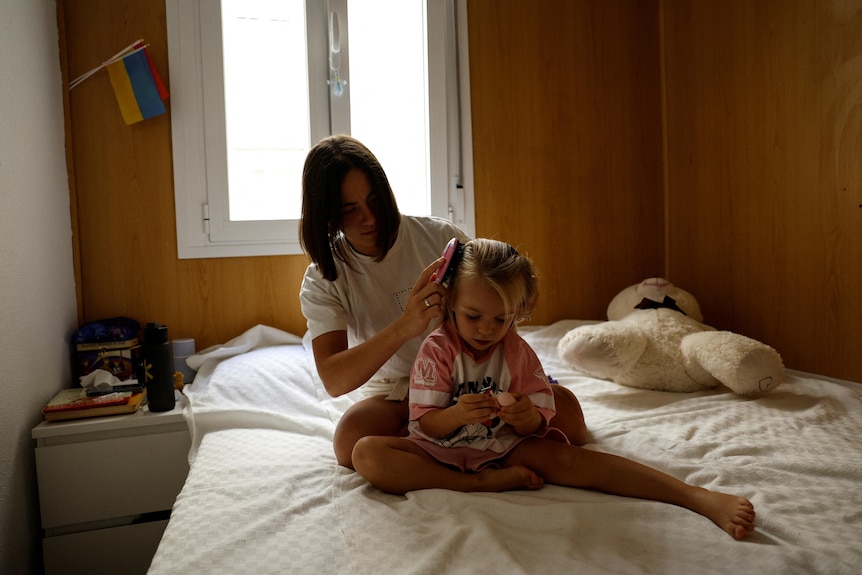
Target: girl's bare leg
x=562 y=464
x=371 y=416
x=379 y=416
x=569 y=418
x=397 y=465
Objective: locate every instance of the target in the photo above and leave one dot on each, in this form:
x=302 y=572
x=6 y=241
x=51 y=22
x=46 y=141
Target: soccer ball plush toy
x=655 y=340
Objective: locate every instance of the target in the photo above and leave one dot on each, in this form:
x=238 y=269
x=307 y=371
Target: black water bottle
x=158 y=368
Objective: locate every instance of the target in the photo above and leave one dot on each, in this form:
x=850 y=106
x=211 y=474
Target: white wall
x=37 y=284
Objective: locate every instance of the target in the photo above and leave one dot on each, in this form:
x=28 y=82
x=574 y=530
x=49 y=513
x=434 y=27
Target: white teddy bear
x=655 y=340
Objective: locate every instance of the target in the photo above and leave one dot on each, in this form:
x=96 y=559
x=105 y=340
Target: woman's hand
x=344 y=369
x=424 y=304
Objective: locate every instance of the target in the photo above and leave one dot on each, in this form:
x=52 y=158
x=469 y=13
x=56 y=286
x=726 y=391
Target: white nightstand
x=106 y=488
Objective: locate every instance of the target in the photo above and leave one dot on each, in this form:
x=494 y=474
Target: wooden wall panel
x=763 y=131
x=765 y=171
x=123 y=177
x=566 y=107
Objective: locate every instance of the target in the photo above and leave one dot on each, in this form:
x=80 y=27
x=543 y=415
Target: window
x=254 y=83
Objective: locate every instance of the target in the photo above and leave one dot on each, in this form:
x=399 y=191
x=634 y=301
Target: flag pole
x=136 y=46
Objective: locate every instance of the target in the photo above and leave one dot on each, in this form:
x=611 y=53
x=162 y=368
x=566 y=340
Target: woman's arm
x=343 y=369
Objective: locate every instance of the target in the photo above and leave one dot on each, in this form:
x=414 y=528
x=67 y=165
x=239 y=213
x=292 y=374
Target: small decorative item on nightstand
x=110 y=345
x=183 y=349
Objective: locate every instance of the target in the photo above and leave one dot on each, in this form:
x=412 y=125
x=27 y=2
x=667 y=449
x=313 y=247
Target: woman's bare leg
x=397 y=465
x=371 y=416
x=569 y=417
x=574 y=466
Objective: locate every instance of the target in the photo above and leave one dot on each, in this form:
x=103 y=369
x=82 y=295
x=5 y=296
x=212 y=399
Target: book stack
x=74 y=403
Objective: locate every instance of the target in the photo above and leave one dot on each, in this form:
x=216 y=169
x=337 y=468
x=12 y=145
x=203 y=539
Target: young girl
x=479 y=396
x=367 y=295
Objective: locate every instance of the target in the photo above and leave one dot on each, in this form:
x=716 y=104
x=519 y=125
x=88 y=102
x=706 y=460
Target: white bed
x=265 y=495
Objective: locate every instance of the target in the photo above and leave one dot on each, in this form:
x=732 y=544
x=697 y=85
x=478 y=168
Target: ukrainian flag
x=138 y=91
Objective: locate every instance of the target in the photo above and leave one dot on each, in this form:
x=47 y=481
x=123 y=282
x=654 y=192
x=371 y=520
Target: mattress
x=264 y=493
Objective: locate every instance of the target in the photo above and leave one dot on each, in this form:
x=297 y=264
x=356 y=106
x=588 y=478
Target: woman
x=367 y=294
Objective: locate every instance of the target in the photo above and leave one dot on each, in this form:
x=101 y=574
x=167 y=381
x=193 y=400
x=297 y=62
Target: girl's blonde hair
x=499 y=266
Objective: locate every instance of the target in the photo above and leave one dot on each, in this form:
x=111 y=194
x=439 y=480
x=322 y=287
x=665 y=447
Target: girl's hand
x=473 y=408
x=424 y=303
x=522 y=415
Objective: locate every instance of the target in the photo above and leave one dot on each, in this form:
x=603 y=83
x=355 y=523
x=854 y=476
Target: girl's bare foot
x=508 y=479
x=732 y=513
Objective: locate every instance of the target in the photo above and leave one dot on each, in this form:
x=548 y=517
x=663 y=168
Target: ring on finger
x=427 y=303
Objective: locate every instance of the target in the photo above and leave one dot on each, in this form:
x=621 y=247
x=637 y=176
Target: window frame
x=193 y=132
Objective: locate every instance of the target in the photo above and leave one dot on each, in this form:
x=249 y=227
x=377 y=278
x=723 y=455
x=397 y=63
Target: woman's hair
x=321 y=223
x=499 y=266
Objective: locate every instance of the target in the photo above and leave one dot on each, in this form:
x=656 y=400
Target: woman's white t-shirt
x=364 y=300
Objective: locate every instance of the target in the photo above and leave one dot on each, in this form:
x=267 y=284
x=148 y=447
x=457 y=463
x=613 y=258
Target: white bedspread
x=265 y=495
